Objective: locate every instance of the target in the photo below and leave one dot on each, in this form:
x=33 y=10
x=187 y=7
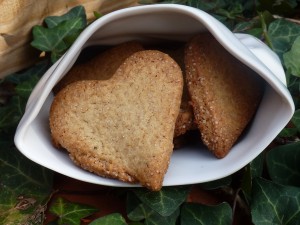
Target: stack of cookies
x=118 y=114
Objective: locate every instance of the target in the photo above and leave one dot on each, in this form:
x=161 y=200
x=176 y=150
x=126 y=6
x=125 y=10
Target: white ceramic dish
x=156 y=23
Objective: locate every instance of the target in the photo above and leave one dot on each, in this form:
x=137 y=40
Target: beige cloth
x=17 y=17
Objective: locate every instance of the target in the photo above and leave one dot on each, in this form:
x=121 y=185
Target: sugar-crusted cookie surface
x=122 y=127
x=224 y=93
x=185 y=119
x=100 y=67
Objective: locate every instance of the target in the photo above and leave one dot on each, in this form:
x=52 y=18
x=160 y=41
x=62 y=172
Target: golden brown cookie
x=123 y=127
x=185 y=119
x=224 y=93
x=100 y=67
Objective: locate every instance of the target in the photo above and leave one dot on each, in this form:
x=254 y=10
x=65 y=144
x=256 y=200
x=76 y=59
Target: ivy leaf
x=296 y=119
x=197 y=214
x=55 y=40
x=136 y=223
x=155 y=218
x=274 y=204
x=257 y=165
x=138 y=211
x=165 y=201
x=252 y=27
x=283 y=164
x=60 y=34
x=282 y=34
x=70 y=213
x=252 y=170
x=207 y=6
x=291 y=58
x=134 y=207
x=277 y=7
x=217 y=183
x=11 y=113
x=150 y=217
x=37 y=70
x=24 y=82
x=76 y=12
x=288 y=132
x=97 y=15
x=24 y=187
x=111 y=219
x=25 y=88
x=234 y=10
x=224 y=11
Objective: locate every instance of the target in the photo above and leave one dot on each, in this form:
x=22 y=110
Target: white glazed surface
x=155 y=23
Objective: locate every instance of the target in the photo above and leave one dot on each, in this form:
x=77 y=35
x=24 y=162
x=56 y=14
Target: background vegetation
x=267 y=191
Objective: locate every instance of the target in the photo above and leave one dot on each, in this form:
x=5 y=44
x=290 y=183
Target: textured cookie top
x=224 y=93
x=185 y=119
x=122 y=127
x=100 y=67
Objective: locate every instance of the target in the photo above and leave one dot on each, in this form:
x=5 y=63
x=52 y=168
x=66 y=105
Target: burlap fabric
x=17 y=17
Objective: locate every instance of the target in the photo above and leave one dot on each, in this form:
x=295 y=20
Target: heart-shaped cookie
x=122 y=127
x=100 y=67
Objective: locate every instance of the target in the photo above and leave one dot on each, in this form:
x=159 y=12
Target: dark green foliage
x=269 y=185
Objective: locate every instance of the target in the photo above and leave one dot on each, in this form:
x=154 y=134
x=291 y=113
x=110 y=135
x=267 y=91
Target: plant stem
x=265 y=30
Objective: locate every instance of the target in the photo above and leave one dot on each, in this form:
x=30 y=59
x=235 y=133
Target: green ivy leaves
x=282 y=34
x=165 y=201
x=168 y=207
x=24 y=188
x=70 y=213
x=111 y=219
x=296 y=120
x=275 y=204
x=196 y=214
x=156 y=208
x=277 y=7
x=283 y=164
x=23 y=83
x=291 y=58
x=278 y=202
x=60 y=32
